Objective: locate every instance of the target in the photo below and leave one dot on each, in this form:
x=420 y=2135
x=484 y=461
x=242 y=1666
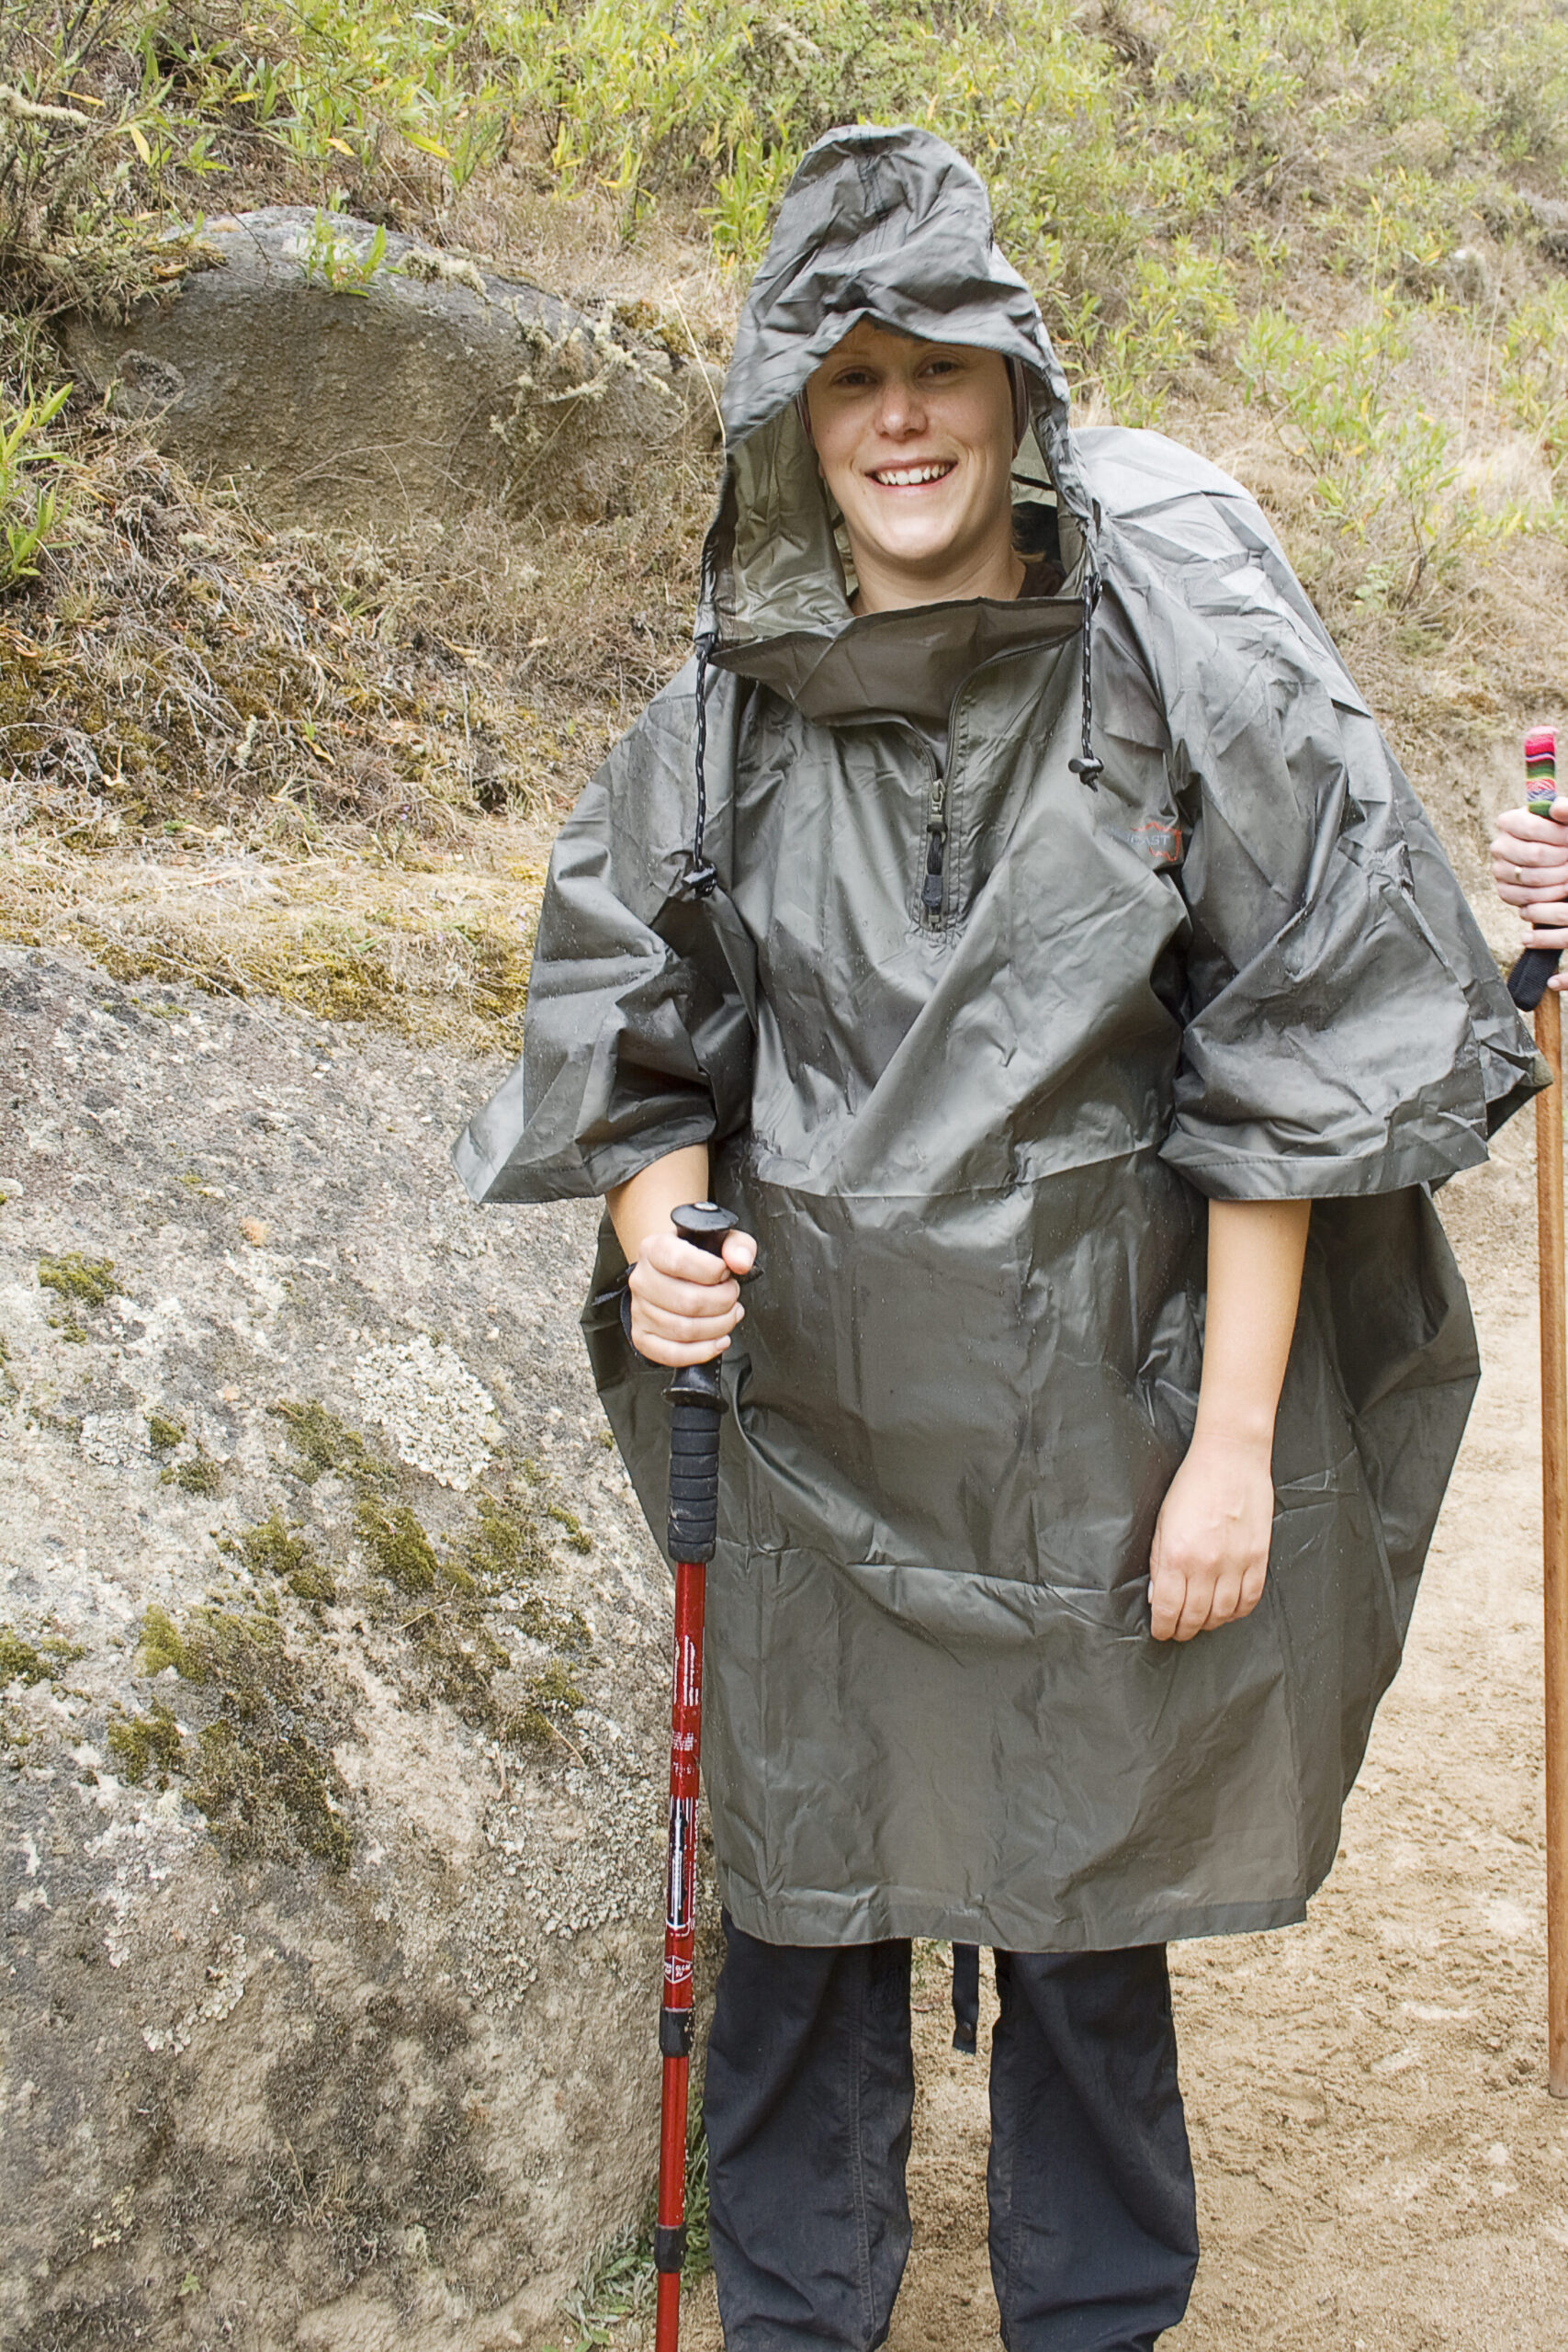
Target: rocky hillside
x=335 y=1730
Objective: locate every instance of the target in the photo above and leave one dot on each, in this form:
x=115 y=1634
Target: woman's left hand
x=1209 y=1555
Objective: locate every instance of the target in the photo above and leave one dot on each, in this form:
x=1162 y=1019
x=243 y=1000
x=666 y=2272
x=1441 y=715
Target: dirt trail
x=1380 y=2168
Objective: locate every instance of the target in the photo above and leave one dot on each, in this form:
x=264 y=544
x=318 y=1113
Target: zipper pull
x=931 y=889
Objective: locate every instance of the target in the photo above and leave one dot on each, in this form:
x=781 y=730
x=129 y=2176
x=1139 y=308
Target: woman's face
x=915 y=441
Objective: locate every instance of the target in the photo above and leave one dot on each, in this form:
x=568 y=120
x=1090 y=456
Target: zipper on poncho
x=935 y=878
x=933 y=884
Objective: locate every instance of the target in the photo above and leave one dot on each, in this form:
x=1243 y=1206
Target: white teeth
x=910 y=476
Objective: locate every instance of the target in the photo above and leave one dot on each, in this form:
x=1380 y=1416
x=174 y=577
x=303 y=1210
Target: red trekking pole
x=696 y=1404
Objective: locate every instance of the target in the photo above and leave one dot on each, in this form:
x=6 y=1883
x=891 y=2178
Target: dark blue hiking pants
x=810 y=2086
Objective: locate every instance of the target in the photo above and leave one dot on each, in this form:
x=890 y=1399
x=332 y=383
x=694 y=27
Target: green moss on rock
x=147 y=1744
x=269 y=1549
x=81 y=1281
x=164 y=1435
x=200 y=1475
x=552 y=1696
x=506 y=1549
x=262 y=1770
x=324 y=1443
x=400 y=1549
x=577 y=1535
x=20 y=1661
x=162 y=1644
x=270 y=1798
x=563 y=1629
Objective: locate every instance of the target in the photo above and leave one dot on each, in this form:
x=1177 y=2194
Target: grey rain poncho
x=975 y=1139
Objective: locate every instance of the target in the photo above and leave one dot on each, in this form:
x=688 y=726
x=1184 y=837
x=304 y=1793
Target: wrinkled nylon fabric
x=976 y=1143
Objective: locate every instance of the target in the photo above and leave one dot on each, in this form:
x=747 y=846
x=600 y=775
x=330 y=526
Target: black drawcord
x=701 y=877
x=965 y=1997
x=1085 y=767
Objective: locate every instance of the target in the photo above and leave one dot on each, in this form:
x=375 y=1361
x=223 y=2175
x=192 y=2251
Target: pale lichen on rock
x=440 y=1418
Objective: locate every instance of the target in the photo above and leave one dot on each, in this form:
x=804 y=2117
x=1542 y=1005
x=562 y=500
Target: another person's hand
x=685 y=1302
x=1530 y=866
x=1209 y=1555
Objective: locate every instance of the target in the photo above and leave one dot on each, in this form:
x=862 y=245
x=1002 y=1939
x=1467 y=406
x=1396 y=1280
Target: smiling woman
x=1054 y=959
x=915 y=442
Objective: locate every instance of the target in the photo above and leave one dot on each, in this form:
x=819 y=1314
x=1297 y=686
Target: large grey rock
x=337 y=2028
x=327 y=389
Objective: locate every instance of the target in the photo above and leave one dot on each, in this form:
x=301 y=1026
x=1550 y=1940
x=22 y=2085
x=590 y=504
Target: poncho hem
x=880 y=1919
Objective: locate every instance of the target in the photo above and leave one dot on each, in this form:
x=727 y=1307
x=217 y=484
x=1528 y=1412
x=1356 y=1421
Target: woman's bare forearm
x=1255 y=1253
x=642 y=1205
x=1209 y=1555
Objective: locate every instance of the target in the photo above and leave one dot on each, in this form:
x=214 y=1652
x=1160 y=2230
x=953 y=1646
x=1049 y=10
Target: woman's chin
x=924 y=554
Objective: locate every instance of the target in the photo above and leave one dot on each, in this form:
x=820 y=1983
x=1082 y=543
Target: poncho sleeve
x=637 y=1034
x=1345 y=1030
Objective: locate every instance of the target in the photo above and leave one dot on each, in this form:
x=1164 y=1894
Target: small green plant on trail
x=1532 y=374
x=621 y=2282
x=1383 y=469
x=30 y=511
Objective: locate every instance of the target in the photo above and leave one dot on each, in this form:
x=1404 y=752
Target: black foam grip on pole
x=1527 y=981
x=694 y=1469
x=696 y=1406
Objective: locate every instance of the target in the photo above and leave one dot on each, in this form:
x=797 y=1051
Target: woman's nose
x=899 y=412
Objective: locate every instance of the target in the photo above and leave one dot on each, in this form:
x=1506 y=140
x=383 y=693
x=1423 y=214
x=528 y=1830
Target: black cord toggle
x=701 y=877
x=1086 y=767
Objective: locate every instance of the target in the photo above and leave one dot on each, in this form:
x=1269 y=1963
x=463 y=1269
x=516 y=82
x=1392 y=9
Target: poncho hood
x=888 y=225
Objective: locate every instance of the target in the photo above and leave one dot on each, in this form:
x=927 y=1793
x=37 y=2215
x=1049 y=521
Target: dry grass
x=321 y=767
x=441 y=952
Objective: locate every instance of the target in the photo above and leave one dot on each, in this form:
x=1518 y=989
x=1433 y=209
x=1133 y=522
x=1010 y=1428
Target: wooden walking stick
x=696 y=1406
x=1528 y=987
